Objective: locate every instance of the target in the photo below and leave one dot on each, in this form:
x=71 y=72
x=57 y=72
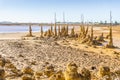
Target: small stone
x=2 y=73
x=28 y=70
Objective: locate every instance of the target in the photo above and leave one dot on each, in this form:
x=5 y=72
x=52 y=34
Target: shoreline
x=15 y=35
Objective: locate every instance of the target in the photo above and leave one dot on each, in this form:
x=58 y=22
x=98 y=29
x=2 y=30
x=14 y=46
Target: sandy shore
x=26 y=52
x=41 y=52
x=16 y=35
x=36 y=53
x=97 y=31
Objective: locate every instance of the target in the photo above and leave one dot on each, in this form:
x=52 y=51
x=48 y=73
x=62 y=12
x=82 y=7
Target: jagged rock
x=45 y=34
x=2 y=62
x=38 y=74
x=95 y=42
x=49 y=33
x=86 y=39
x=55 y=29
x=86 y=74
x=2 y=74
x=107 y=36
x=117 y=71
x=100 y=38
x=30 y=32
x=57 y=76
x=41 y=31
x=27 y=77
x=28 y=70
x=104 y=73
x=11 y=71
x=28 y=74
x=63 y=32
x=72 y=67
x=71 y=72
x=10 y=74
x=72 y=34
x=10 y=66
x=110 y=44
x=49 y=70
x=59 y=32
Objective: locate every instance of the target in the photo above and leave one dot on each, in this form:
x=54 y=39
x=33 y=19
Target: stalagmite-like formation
x=30 y=32
x=72 y=34
x=55 y=30
x=55 y=26
x=51 y=30
x=63 y=31
x=49 y=33
x=110 y=44
x=41 y=32
x=90 y=41
x=45 y=34
x=85 y=38
x=86 y=32
x=83 y=33
x=67 y=29
x=59 y=32
x=91 y=36
x=100 y=38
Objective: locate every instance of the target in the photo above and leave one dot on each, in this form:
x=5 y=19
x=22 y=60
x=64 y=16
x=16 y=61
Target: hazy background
x=43 y=10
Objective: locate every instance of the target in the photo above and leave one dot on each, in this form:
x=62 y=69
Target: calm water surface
x=14 y=29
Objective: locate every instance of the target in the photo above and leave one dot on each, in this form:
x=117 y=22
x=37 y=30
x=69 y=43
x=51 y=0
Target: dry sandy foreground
x=36 y=53
x=24 y=53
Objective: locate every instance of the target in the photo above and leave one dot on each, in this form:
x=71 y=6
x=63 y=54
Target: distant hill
x=5 y=22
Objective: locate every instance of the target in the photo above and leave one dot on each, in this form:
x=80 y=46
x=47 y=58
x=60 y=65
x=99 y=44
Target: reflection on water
x=13 y=29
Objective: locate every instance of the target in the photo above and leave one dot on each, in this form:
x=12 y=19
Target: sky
x=44 y=10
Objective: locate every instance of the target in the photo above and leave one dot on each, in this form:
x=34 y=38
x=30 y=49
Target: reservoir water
x=14 y=29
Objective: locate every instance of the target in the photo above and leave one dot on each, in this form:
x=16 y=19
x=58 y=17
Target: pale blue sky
x=43 y=10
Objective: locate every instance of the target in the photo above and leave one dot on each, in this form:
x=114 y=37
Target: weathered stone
x=71 y=72
x=86 y=74
x=2 y=74
x=49 y=70
x=57 y=76
x=2 y=62
x=27 y=77
x=28 y=70
x=104 y=71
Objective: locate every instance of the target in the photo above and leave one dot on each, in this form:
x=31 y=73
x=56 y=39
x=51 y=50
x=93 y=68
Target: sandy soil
x=8 y=37
x=36 y=53
x=24 y=53
x=15 y=35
